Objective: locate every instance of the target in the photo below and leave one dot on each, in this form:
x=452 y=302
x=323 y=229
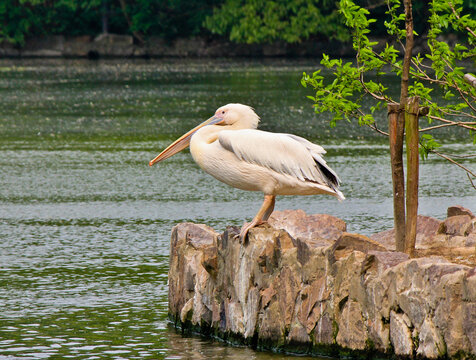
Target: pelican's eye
x=223 y=112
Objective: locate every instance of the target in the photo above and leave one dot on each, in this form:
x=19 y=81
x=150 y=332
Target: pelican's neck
x=209 y=134
x=204 y=136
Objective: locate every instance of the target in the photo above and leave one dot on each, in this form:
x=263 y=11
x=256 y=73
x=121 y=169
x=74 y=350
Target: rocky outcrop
x=454 y=238
x=303 y=284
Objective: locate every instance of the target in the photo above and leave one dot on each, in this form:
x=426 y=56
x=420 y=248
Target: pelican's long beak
x=183 y=141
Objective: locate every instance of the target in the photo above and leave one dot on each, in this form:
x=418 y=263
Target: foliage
x=439 y=70
x=164 y=18
x=23 y=18
x=171 y=18
x=242 y=20
x=258 y=21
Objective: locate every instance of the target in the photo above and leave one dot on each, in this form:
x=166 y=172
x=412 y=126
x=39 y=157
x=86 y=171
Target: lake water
x=85 y=223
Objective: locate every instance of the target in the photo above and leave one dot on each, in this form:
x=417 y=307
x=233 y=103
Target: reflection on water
x=196 y=347
x=85 y=223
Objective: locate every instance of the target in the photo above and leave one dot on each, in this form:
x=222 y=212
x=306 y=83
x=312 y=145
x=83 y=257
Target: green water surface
x=85 y=223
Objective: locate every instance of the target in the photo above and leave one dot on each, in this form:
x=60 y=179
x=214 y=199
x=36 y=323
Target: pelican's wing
x=283 y=153
x=309 y=145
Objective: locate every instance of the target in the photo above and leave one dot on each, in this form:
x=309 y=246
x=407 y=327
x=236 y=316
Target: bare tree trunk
x=408 y=54
x=105 y=17
x=397 y=162
x=136 y=34
x=396 y=130
x=411 y=139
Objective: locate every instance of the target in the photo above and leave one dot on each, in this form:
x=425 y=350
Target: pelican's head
x=231 y=116
x=238 y=116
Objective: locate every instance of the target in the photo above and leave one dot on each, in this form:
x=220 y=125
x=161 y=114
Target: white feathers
x=234 y=152
x=283 y=153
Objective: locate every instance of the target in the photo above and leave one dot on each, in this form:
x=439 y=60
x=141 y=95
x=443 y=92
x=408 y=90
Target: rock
x=210 y=260
x=113 y=45
x=461 y=225
x=357 y=242
x=276 y=291
x=380 y=261
x=114 y=39
x=78 y=46
x=186 y=311
x=45 y=46
x=324 y=330
x=469 y=286
x=9 y=50
x=352 y=330
x=430 y=342
x=298 y=335
x=188 y=243
x=470 y=240
x=319 y=229
x=426 y=228
x=400 y=334
x=469 y=324
x=458 y=210
x=449 y=314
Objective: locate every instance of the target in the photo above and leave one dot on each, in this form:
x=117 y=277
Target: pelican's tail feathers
x=339 y=195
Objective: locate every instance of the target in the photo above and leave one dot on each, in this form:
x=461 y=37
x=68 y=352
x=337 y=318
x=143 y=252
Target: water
x=85 y=223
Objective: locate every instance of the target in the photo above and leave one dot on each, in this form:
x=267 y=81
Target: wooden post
x=411 y=139
x=396 y=131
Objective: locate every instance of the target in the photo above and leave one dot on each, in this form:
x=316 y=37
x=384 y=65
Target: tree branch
x=375 y=96
x=458 y=17
x=471 y=181
x=373 y=127
x=436 y=127
x=136 y=34
x=422 y=75
x=468 y=172
x=455 y=123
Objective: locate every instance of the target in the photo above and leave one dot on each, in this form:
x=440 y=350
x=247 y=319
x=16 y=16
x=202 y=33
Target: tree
x=259 y=21
x=22 y=18
x=167 y=19
x=420 y=75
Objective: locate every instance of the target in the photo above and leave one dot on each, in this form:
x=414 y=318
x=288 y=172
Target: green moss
x=416 y=341
x=313 y=349
x=443 y=352
x=369 y=344
x=462 y=355
x=335 y=330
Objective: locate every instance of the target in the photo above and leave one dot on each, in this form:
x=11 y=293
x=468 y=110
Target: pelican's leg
x=270 y=208
x=262 y=215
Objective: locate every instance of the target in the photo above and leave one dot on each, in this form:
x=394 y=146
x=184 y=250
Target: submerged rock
x=303 y=284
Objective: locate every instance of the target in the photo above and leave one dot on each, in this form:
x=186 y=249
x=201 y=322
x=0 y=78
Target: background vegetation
x=247 y=21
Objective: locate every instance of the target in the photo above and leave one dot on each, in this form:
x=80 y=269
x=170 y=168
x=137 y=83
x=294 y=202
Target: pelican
x=229 y=147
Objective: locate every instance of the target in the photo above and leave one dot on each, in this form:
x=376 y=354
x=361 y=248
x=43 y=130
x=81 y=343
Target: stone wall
x=113 y=45
x=303 y=284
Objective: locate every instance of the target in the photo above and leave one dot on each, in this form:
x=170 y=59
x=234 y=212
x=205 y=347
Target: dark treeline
x=249 y=21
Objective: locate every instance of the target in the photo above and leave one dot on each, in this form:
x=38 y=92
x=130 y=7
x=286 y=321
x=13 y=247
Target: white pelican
x=230 y=148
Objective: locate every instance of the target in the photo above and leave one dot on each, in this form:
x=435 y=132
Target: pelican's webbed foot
x=246 y=227
x=261 y=217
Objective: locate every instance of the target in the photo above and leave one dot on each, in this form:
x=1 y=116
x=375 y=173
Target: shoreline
x=123 y=46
